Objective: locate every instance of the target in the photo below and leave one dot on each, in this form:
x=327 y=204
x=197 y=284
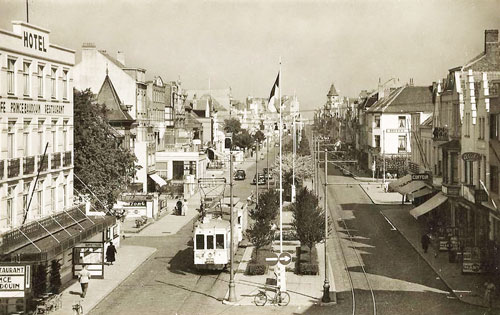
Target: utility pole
x=326 y=285
x=268 y=170
x=232 y=293
x=293 y=162
x=257 y=171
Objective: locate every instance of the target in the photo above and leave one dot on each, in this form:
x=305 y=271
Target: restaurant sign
x=14 y=280
x=471 y=156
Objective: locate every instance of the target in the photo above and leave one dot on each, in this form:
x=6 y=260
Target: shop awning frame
x=419 y=193
x=400 y=182
x=411 y=187
x=157 y=179
x=429 y=205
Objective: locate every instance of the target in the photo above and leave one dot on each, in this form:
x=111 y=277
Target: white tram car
x=212 y=243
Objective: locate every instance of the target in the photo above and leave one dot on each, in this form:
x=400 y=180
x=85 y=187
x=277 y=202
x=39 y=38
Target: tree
x=303 y=166
x=287 y=184
x=308 y=218
x=100 y=162
x=243 y=139
x=304 y=147
x=260 y=232
x=39 y=279
x=55 y=277
x=259 y=136
x=232 y=125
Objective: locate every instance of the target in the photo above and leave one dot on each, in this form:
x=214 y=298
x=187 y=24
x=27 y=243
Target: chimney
x=490 y=40
x=120 y=56
x=88 y=49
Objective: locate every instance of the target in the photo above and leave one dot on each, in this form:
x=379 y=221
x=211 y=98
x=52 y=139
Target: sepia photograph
x=249 y=157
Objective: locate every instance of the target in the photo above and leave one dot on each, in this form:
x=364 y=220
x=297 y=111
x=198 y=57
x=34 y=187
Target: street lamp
x=326 y=285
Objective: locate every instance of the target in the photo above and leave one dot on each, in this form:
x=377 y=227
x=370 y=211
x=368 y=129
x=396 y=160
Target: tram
x=212 y=243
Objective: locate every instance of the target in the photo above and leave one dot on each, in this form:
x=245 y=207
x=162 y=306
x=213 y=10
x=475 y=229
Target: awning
x=411 y=187
x=219 y=154
x=160 y=181
x=420 y=193
x=429 y=205
x=400 y=182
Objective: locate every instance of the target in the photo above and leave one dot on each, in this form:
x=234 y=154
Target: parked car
x=262 y=179
x=240 y=175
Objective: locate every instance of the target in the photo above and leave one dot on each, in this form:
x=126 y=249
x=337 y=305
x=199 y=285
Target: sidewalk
x=128 y=259
x=467 y=288
x=376 y=193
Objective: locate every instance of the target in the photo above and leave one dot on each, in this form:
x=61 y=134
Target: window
x=210 y=242
x=401 y=143
x=454 y=168
x=178 y=170
x=200 y=241
x=469 y=172
x=494 y=179
x=219 y=241
x=11 y=149
x=467 y=124
x=402 y=121
x=377 y=121
x=10 y=76
x=10 y=210
x=40 y=80
x=65 y=135
x=53 y=201
x=54 y=139
x=494 y=127
x=53 y=82
x=377 y=141
x=26 y=78
x=65 y=84
x=38 y=208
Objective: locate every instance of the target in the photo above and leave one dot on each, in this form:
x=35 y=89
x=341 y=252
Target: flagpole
x=281 y=162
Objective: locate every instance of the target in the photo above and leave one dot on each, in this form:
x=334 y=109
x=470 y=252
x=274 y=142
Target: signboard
x=14 y=280
x=471 y=267
x=471 y=156
x=285 y=258
x=424 y=176
x=272 y=259
x=480 y=195
x=396 y=130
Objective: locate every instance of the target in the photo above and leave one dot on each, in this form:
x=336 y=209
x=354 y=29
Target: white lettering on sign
x=34 y=41
x=31 y=108
x=11 y=270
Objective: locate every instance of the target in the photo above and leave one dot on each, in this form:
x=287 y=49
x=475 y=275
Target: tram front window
x=200 y=241
x=210 y=242
x=219 y=241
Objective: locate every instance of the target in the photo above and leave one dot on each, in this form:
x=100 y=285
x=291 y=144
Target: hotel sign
x=35 y=41
x=14 y=280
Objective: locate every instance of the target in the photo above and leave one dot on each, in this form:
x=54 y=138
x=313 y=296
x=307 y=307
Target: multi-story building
x=36 y=158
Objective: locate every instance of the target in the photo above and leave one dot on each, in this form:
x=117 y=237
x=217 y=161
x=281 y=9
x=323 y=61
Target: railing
x=56 y=161
x=440 y=134
x=28 y=165
x=67 y=159
x=13 y=168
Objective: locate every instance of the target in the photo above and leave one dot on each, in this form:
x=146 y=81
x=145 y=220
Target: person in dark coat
x=110 y=253
x=425 y=242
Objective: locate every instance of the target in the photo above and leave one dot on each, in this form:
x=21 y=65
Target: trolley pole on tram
x=232 y=293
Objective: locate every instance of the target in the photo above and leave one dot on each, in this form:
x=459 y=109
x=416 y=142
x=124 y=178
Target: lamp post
x=257 y=171
x=293 y=162
x=326 y=285
x=232 y=293
x=268 y=170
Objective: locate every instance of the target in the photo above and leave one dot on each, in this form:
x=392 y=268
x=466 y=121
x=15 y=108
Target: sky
x=238 y=44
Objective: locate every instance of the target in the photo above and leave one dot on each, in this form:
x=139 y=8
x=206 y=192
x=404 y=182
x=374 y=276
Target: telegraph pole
x=232 y=293
x=257 y=171
x=326 y=285
x=293 y=161
x=268 y=170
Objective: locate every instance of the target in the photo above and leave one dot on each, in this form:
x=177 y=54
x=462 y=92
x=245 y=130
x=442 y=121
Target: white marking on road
x=461 y=291
x=393 y=228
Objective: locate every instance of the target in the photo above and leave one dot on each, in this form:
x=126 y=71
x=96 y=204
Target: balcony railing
x=28 y=165
x=43 y=165
x=13 y=168
x=56 y=161
x=67 y=159
x=440 y=134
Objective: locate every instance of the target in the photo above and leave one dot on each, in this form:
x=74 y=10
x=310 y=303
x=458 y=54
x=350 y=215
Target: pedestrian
x=489 y=290
x=110 y=253
x=184 y=207
x=83 y=278
x=178 y=207
x=425 y=242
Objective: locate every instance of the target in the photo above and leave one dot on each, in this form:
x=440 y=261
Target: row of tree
x=242 y=137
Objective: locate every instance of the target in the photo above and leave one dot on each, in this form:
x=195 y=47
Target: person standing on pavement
x=178 y=207
x=184 y=207
x=83 y=278
x=110 y=253
x=425 y=242
x=488 y=294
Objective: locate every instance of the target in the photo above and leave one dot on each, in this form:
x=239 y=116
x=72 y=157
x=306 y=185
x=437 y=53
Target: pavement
x=468 y=288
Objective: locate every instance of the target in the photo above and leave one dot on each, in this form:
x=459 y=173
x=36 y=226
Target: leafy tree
x=243 y=139
x=304 y=147
x=55 y=276
x=308 y=218
x=287 y=184
x=259 y=136
x=100 y=162
x=303 y=166
x=232 y=125
x=260 y=232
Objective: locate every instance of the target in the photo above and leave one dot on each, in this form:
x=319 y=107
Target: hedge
x=307 y=262
x=256 y=269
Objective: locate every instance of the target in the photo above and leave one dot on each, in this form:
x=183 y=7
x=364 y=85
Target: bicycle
x=78 y=308
x=280 y=298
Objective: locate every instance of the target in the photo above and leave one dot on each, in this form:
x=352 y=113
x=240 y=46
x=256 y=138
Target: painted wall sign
x=14 y=280
x=30 y=108
x=471 y=156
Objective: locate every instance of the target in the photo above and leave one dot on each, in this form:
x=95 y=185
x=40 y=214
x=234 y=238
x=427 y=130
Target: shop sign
x=471 y=267
x=452 y=191
x=14 y=280
x=471 y=156
x=396 y=130
x=480 y=195
x=424 y=176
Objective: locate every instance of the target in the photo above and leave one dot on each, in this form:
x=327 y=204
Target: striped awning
x=400 y=182
x=411 y=187
x=429 y=205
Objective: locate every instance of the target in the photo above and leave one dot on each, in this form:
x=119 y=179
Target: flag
x=273 y=97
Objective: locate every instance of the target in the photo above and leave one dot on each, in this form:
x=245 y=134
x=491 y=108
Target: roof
x=115 y=109
x=333 y=91
x=407 y=99
x=113 y=60
x=427 y=122
x=201 y=103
